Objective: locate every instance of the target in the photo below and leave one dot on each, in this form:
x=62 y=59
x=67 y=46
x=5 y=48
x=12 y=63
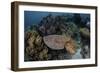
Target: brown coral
x=43 y=54
x=38 y=40
x=34 y=46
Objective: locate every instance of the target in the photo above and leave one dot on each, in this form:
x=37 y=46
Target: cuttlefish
x=57 y=42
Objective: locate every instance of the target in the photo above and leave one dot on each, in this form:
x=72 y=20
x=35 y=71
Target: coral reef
x=34 y=46
x=57 y=38
x=85 y=38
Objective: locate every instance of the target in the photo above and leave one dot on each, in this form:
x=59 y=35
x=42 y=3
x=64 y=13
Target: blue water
x=34 y=17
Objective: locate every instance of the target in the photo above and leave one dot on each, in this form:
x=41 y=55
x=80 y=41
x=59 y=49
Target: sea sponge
x=85 y=32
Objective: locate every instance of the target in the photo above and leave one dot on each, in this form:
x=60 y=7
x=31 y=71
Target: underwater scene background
x=56 y=36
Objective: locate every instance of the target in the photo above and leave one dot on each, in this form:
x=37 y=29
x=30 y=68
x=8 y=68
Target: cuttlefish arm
x=70 y=46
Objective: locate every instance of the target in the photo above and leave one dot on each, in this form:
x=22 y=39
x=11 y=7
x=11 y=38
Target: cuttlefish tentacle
x=70 y=46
